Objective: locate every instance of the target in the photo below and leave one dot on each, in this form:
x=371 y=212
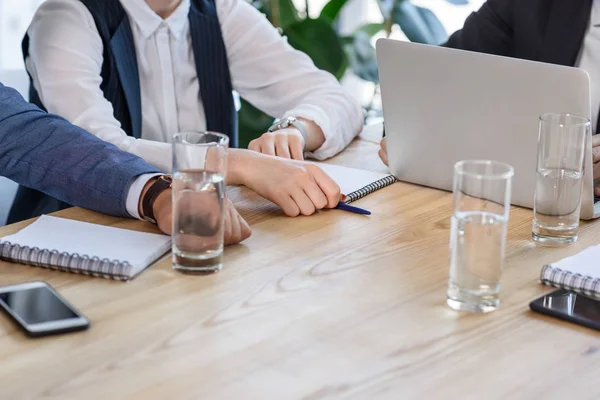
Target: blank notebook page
x=65 y=235
x=585 y=263
x=351 y=179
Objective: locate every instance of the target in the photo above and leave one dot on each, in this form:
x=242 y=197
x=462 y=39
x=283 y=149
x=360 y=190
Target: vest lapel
x=123 y=49
x=213 y=70
x=565 y=31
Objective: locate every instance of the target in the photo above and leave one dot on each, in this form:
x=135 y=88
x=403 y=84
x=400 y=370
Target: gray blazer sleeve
x=47 y=153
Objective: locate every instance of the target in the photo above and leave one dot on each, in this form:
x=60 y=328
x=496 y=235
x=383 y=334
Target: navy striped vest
x=121 y=83
x=120 y=76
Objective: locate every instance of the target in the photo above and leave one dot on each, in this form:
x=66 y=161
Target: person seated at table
x=47 y=153
x=557 y=32
x=133 y=72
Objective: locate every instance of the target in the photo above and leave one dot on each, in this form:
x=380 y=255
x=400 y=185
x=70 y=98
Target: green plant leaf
x=320 y=42
x=419 y=24
x=252 y=123
x=332 y=9
x=288 y=14
x=371 y=29
x=363 y=58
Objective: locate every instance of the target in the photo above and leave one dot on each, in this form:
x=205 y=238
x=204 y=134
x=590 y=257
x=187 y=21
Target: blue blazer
x=47 y=153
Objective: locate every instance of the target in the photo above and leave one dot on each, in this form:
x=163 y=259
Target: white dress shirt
x=66 y=59
x=589 y=60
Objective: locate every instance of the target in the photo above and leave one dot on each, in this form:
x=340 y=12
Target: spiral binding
x=578 y=283
x=65 y=262
x=379 y=184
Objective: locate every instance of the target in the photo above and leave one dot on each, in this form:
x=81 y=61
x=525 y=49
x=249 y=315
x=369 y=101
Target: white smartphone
x=39 y=310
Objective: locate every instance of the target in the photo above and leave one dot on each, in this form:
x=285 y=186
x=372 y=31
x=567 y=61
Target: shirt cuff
x=135 y=191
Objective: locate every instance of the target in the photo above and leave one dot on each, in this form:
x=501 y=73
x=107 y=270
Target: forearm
x=47 y=153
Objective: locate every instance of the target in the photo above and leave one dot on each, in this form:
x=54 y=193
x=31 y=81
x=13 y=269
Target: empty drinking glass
x=199 y=169
x=482 y=192
x=561 y=149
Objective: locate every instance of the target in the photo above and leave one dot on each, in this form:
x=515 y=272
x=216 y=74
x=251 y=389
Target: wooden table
x=335 y=305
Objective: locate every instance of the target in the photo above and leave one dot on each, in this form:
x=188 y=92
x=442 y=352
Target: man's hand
x=289 y=143
x=286 y=143
x=383 y=152
x=295 y=186
x=235 y=228
x=596 y=161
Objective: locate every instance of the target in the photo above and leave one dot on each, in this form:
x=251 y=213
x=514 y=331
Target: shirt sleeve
x=282 y=81
x=65 y=62
x=132 y=201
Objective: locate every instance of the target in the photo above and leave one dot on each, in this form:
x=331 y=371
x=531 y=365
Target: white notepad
x=81 y=247
x=578 y=273
x=356 y=183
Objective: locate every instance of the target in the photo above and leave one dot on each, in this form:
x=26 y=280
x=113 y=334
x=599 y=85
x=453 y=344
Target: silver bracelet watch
x=286 y=123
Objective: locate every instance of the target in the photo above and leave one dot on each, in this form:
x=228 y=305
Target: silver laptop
x=444 y=105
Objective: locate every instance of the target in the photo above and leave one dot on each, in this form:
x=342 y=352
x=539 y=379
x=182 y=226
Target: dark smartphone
x=39 y=310
x=569 y=306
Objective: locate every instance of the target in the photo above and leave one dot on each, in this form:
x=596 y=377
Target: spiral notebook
x=579 y=273
x=81 y=247
x=357 y=183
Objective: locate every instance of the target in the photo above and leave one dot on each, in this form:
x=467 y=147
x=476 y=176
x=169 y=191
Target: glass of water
x=562 y=142
x=199 y=169
x=482 y=192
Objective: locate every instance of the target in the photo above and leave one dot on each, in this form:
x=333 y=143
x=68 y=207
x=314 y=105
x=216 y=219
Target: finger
x=596 y=169
x=282 y=147
x=227 y=227
x=288 y=205
x=595 y=154
x=236 y=229
x=254 y=145
x=267 y=144
x=245 y=228
x=303 y=202
x=597 y=191
x=330 y=189
x=383 y=144
x=296 y=144
x=316 y=195
x=383 y=155
x=595 y=140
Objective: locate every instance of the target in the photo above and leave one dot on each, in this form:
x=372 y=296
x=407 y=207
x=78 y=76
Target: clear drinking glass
x=562 y=142
x=199 y=169
x=482 y=192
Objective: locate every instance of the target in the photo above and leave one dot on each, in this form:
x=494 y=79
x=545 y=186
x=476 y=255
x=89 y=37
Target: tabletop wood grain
x=335 y=305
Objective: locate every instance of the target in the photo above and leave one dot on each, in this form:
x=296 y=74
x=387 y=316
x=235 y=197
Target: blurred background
x=339 y=35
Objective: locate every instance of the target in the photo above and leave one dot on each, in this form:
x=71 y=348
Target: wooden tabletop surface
x=335 y=305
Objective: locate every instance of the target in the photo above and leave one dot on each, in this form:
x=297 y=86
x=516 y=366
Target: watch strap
x=163 y=183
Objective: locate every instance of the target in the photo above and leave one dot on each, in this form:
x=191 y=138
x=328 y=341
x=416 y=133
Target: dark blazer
x=550 y=31
x=47 y=153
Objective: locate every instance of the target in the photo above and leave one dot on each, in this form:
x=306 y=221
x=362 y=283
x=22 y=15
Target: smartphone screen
x=571 y=307
x=39 y=309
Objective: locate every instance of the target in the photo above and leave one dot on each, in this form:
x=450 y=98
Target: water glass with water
x=482 y=191
x=199 y=169
x=562 y=142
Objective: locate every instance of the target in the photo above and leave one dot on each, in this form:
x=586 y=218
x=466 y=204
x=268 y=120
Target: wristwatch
x=286 y=123
x=163 y=183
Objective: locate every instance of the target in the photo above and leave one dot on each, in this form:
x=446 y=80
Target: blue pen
x=348 y=207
